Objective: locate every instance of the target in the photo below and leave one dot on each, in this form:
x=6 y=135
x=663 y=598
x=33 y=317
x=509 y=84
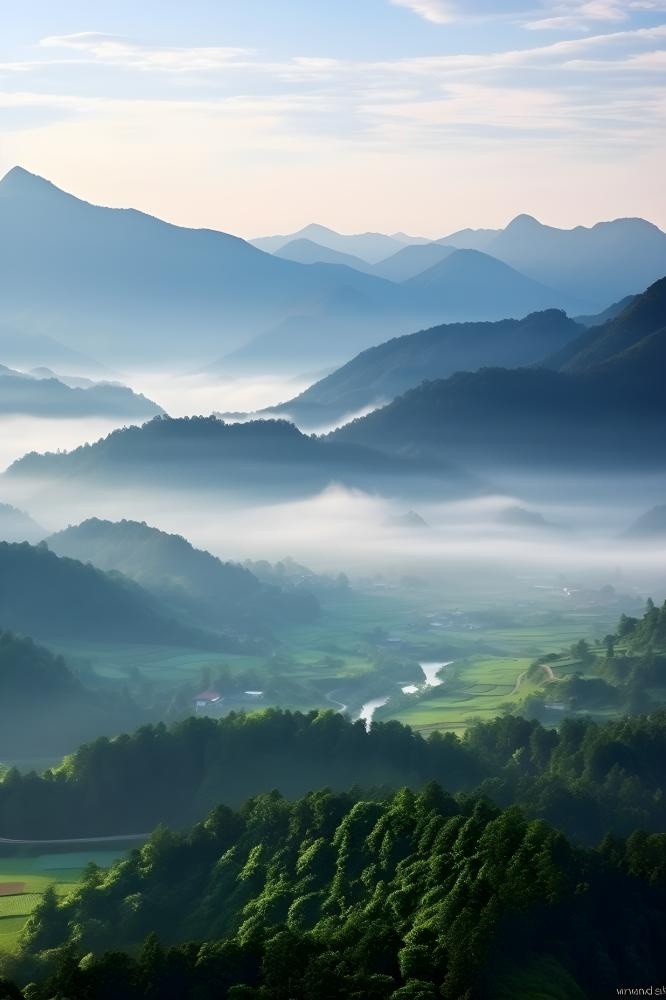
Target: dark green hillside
x=51 y=597
x=606 y=410
x=220 y=593
x=45 y=709
x=644 y=315
x=381 y=373
x=610 y=312
x=269 y=458
x=526 y=416
x=332 y=897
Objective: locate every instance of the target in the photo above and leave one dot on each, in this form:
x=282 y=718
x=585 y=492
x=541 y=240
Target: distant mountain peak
x=524 y=221
x=315 y=228
x=18 y=180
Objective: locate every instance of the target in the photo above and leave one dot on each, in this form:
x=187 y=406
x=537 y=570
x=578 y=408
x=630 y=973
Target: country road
x=115 y=838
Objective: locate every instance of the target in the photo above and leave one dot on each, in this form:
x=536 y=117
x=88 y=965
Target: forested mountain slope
x=378 y=375
x=45 y=596
x=219 y=593
x=336 y=897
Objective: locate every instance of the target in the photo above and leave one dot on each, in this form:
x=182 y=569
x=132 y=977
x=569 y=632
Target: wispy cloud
x=580 y=14
x=535 y=15
x=119 y=51
x=435 y=11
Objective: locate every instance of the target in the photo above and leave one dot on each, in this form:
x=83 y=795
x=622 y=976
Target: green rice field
x=24 y=879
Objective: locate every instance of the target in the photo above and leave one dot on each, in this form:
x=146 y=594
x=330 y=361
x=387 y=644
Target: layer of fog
x=187 y=395
x=21 y=434
x=464 y=542
x=179 y=395
x=341 y=529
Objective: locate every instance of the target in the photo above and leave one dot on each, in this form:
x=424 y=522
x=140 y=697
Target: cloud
x=118 y=51
x=435 y=11
x=576 y=15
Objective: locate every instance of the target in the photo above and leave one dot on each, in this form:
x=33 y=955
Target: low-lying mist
x=453 y=543
x=542 y=526
x=179 y=395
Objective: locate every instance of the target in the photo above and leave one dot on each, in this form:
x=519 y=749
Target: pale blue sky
x=262 y=115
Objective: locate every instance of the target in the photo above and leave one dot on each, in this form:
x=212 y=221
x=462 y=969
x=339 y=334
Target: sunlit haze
x=259 y=117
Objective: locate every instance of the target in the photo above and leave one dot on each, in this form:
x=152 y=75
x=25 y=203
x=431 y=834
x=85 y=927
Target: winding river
x=430 y=673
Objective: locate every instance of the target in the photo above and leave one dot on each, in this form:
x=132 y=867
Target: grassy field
x=481 y=688
x=31 y=876
x=334 y=658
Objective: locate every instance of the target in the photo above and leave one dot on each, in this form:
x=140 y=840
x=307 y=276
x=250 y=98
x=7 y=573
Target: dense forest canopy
x=587 y=779
x=334 y=896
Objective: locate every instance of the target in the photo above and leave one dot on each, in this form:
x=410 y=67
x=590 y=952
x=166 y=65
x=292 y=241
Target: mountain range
x=462 y=285
x=115 y=284
x=591 y=265
x=369 y=247
x=379 y=374
x=260 y=459
x=42 y=393
x=600 y=403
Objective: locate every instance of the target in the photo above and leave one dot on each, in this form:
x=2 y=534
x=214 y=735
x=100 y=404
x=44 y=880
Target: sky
x=424 y=116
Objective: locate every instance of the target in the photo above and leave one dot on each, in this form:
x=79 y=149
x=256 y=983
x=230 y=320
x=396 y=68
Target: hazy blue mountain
x=381 y=373
x=596 y=265
x=370 y=247
x=307 y=252
x=73 y=381
x=643 y=316
x=50 y=397
x=465 y=285
x=261 y=459
x=409 y=521
x=649 y=526
x=44 y=595
x=605 y=409
x=331 y=329
x=470 y=239
x=470 y=285
x=610 y=312
x=24 y=350
x=117 y=283
x=409 y=240
x=17 y=526
x=524 y=519
x=218 y=593
x=411 y=260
